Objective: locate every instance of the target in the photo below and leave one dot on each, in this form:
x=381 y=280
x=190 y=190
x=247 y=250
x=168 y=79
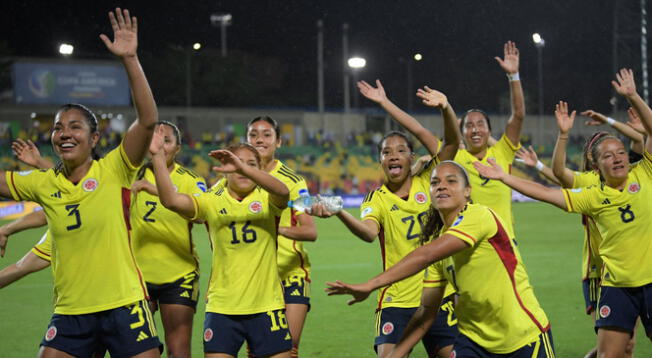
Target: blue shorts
x=541 y=348
x=591 y=289
x=296 y=290
x=391 y=322
x=265 y=333
x=620 y=306
x=124 y=331
x=183 y=291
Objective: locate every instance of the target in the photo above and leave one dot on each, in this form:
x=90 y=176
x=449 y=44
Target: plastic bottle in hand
x=305 y=202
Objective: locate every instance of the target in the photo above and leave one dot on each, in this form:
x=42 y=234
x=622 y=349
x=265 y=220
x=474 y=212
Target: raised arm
x=597 y=119
x=124 y=45
x=28 y=153
x=169 y=197
x=28 y=264
x=510 y=64
x=626 y=87
x=452 y=135
x=29 y=221
x=278 y=192
x=366 y=230
x=377 y=94
x=527 y=187
x=564 y=175
x=442 y=247
x=634 y=122
x=529 y=157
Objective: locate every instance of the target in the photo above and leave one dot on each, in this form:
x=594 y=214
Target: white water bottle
x=304 y=203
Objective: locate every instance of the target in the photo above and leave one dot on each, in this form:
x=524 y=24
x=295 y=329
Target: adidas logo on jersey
x=295 y=293
x=394 y=208
x=606 y=202
x=185 y=294
x=142 y=336
x=56 y=195
x=223 y=211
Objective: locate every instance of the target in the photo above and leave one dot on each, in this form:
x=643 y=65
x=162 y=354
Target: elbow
x=311 y=235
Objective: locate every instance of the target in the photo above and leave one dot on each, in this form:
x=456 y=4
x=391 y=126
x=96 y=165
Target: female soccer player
x=618 y=205
x=395 y=213
x=591 y=262
x=476 y=130
x=294 y=228
x=470 y=248
x=245 y=298
x=86 y=204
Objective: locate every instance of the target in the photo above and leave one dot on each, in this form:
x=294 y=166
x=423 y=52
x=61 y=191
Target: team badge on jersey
x=633 y=188
x=51 y=333
x=420 y=197
x=208 y=335
x=90 y=184
x=388 y=328
x=605 y=311
x=25 y=172
x=256 y=207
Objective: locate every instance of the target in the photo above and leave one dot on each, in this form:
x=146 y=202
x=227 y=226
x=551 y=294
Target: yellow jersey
x=622 y=220
x=43 y=247
x=163 y=242
x=244 y=276
x=492 y=193
x=591 y=261
x=400 y=221
x=93 y=265
x=292 y=257
x=496 y=308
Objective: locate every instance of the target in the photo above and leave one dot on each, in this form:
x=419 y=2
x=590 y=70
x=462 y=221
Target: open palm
x=125 y=34
x=376 y=94
x=564 y=120
x=510 y=62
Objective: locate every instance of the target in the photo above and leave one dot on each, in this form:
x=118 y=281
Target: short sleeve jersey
x=43 y=247
x=622 y=219
x=492 y=193
x=591 y=261
x=292 y=256
x=94 y=268
x=244 y=275
x=163 y=242
x=400 y=221
x=502 y=316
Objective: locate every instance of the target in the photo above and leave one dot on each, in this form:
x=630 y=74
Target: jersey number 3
x=73 y=210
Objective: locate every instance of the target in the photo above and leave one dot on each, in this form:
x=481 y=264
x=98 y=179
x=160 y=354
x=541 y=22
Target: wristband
x=539 y=165
x=513 y=77
x=610 y=121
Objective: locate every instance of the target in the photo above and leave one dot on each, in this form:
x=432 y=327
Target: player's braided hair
x=434 y=222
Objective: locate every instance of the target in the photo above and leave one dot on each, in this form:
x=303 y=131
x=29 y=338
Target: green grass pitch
x=549 y=240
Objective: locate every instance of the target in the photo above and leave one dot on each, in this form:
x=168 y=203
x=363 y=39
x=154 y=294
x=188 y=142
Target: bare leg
x=612 y=342
x=296 y=316
x=177 y=324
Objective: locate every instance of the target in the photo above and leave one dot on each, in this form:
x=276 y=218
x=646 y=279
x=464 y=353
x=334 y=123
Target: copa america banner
x=88 y=83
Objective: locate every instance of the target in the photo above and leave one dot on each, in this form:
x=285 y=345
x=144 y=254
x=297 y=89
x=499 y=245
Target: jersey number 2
x=147 y=214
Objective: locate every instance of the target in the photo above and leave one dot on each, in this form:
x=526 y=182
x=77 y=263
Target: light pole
x=539 y=43
x=356 y=64
x=345 y=69
x=222 y=20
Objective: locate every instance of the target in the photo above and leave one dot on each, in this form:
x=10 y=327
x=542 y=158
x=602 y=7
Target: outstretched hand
x=125 y=34
x=158 y=139
x=510 y=62
x=527 y=156
x=27 y=152
x=493 y=171
x=359 y=291
x=230 y=162
x=376 y=94
x=596 y=119
x=564 y=121
x=432 y=98
x=635 y=121
x=319 y=210
x=625 y=85
x=143 y=185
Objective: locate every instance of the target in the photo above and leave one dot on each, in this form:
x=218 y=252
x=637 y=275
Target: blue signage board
x=88 y=83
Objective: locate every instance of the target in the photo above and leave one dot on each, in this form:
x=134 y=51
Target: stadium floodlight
x=418 y=57
x=196 y=46
x=538 y=40
x=222 y=20
x=66 y=49
x=356 y=62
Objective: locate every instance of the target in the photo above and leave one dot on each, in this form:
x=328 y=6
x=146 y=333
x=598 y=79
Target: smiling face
x=72 y=138
x=449 y=188
x=612 y=160
x=396 y=159
x=262 y=136
x=475 y=131
x=238 y=183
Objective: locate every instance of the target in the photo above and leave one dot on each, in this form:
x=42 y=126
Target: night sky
x=458 y=40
